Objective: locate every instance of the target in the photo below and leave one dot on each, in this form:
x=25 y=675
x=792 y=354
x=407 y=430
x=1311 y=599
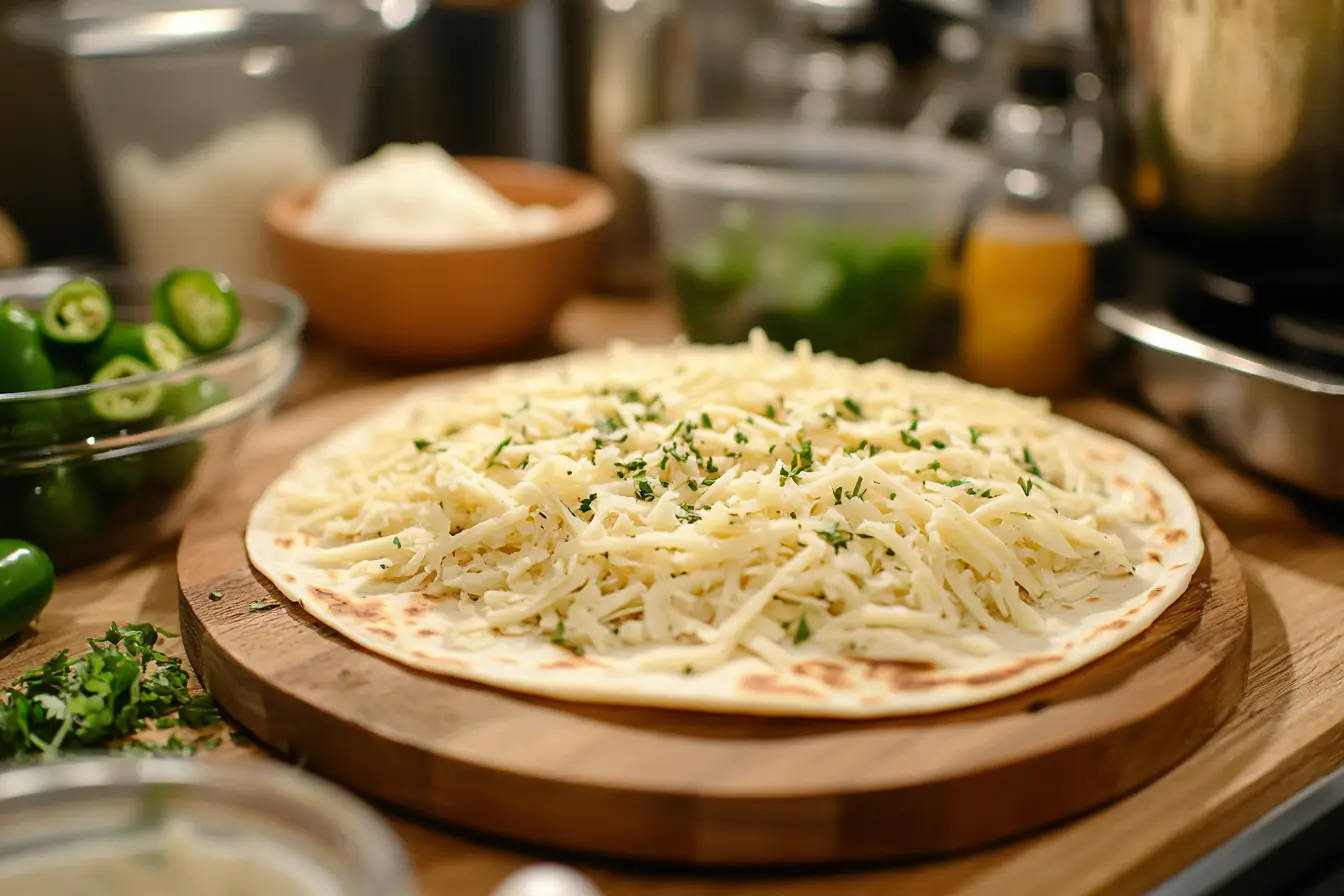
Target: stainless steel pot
x=1225 y=128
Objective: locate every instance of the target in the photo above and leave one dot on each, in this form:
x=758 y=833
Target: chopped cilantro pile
x=99 y=700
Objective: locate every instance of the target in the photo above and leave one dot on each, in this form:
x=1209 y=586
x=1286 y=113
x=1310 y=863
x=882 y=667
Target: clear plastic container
x=197 y=116
x=841 y=236
x=208 y=825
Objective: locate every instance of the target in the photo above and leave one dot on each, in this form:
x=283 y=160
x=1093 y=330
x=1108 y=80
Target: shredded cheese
x=693 y=501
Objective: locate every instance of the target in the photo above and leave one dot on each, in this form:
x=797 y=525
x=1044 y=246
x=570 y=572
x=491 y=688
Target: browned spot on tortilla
x=441 y=660
x=1156 y=592
x=901 y=675
x=1122 y=480
x=289 y=577
x=1114 y=623
x=416 y=608
x=1131 y=611
x=1066 y=606
x=389 y=634
x=342 y=606
x=872 y=700
x=1174 y=536
x=829 y=673
x=1153 y=501
x=575 y=662
x=993 y=676
x=507 y=660
x=1155 y=557
x=1093 y=599
x=427 y=633
x=1180 y=566
x=770 y=683
x=284 y=541
x=333 y=575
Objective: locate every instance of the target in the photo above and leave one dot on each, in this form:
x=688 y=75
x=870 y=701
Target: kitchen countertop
x=1288 y=730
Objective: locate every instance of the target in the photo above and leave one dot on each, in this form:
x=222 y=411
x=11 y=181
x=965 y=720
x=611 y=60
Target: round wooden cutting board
x=695 y=787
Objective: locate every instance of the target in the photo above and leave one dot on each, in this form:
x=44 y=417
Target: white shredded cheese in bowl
x=417 y=196
x=676 y=505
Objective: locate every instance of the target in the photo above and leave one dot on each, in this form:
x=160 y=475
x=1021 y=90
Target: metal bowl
x=68 y=813
x=1281 y=419
x=82 y=488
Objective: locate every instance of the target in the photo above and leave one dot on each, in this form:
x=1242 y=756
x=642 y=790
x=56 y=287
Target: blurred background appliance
x=1225 y=141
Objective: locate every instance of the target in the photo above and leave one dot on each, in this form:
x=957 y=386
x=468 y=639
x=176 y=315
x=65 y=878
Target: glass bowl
x=842 y=236
x=83 y=488
x=194 y=818
x=187 y=179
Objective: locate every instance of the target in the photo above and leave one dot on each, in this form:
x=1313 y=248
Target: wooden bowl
x=448 y=304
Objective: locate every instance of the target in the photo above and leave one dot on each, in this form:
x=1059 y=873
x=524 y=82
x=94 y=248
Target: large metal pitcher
x=1225 y=127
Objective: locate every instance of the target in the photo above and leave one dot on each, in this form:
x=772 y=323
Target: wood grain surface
x=1287 y=730
x=694 y=787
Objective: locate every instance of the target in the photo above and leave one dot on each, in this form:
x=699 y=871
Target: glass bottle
x=1026 y=275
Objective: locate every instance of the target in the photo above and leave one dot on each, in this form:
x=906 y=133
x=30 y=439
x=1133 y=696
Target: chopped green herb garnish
x=910 y=441
x=838 y=493
x=892 y=496
x=259 y=605
x=770 y=411
x=740 y=438
x=96 y=700
x=687 y=514
x=975 y=436
x=853 y=407
x=1020 y=513
x=953 y=483
x=644 y=490
x=396 y=541
x=873 y=449
x=705 y=421
x=857 y=491
x=709 y=466
x=1030 y=463
x=586 y=504
x=940 y=445
x=494 y=455
x=559 y=640
x=216 y=595
x=801 y=632
x=1025 y=485
x=835 y=536
x=933 y=465
x=422 y=444
x=635 y=466
x=802 y=462
x=693 y=484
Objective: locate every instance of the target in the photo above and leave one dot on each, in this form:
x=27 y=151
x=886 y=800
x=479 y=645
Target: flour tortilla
x=410 y=627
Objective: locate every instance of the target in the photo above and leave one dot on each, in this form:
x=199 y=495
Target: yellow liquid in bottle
x=1026 y=282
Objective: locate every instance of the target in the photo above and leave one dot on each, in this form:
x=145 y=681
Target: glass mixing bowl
x=83 y=488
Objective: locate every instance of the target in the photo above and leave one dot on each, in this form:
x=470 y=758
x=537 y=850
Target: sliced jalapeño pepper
x=129 y=403
x=153 y=343
x=77 y=313
x=24 y=366
x=200 y=306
